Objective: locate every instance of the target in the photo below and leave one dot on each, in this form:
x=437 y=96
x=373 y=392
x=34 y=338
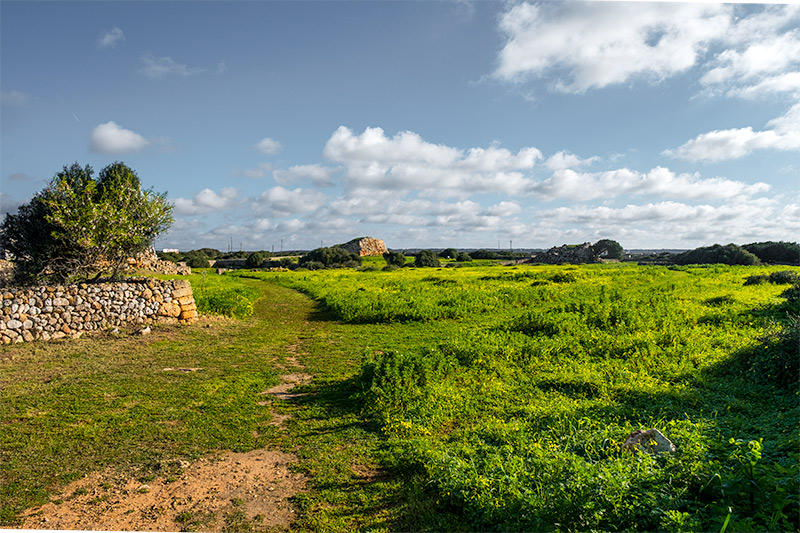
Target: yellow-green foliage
x=220 y=295
x=514 y=419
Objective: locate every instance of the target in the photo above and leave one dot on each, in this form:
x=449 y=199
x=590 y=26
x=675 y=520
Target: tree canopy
x=426 y=258
x=608 y=248
x=80 y=226
x=730 y=254
x=332 y=256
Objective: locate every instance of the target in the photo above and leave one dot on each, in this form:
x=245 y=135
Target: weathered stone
x=366 y=246
x=651 y=441
x=181 y=292
x=169 y=309
x=14 y=324
x=27 y=336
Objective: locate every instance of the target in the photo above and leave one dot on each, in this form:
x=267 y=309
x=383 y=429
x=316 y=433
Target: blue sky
x=426 y=124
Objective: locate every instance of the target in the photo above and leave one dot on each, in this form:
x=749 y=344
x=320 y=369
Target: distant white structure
x=170 y=250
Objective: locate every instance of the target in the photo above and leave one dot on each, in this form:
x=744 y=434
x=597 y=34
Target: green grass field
x=478 y=398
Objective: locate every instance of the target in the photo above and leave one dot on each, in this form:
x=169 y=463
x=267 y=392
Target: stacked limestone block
x=54 y=312
x=366 y=246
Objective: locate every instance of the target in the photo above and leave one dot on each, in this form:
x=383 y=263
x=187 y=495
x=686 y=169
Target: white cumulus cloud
x=597 y=44
x=207 y=201
x=581 y=186
x=783 y=133
x=319 y=175
x=255 y=173
x=283 y=202
x=562 y=160
x=268 y=146
x=110 y=138
x=405 y=162
x=110 y=38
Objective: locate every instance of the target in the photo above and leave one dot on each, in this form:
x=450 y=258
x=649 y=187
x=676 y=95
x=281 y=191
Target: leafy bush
x=784 y=277
x=196 y=260
x=80 y=226
x=775 y=252
x=168 y=256
x=463 y=257
x=395 y=259
x=792 y=294
x=776 y=359
x=448 y=253
x=756 y=279
x=608 y=248
x=426 y=258
x=730 y=254
x=333 y=256
x=256 y=259
x=483 y=254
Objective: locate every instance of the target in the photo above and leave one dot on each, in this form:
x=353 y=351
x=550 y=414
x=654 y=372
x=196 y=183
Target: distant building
x=170 y=251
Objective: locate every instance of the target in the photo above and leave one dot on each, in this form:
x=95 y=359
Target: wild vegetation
x=80 y=226
x=476 y=398
x=513 y=418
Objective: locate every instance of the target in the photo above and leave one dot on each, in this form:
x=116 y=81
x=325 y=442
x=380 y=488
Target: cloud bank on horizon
x=714 y=157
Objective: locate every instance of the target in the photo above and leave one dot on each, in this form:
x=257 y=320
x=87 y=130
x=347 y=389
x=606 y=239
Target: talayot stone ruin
x=365 y=246
x=574 y=254
x=54 y=312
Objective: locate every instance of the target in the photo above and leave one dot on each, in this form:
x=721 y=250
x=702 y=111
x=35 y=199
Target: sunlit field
x=513 y=417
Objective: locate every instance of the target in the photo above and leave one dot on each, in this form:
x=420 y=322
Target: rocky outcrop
x=574 y=254
x=365 y=246
x=53 y=312
x=148 y=260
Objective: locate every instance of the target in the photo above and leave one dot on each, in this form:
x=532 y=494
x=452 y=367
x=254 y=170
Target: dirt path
x=226 y=492
x=222 y=493
x=211 y=494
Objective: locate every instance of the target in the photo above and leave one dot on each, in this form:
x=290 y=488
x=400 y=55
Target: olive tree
x=80 y=227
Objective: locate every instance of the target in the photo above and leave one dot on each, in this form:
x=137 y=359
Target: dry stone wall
x=54 y=312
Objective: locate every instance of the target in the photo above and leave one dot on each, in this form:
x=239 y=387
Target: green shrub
x=426 y=258
x=564 y=277
x=463 y=257
x=792 y=294
x=333 y=256
x=396 y=259
x=775 y=252
x=256 y=259
x=730 y=254
x=784 y=277
x=756 y=279
x=607 y=248
x=195 y=260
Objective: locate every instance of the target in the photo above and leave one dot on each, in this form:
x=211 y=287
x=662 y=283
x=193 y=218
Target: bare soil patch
x=283 y=390
x=208 y=495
